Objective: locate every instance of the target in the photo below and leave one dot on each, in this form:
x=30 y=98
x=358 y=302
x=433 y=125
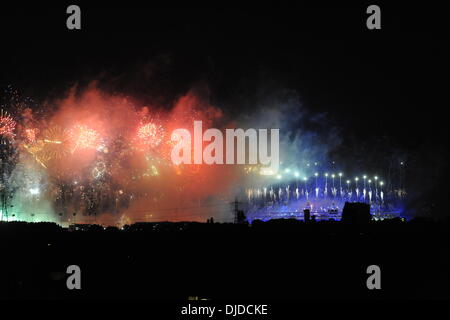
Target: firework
x=55 y=135
x=151 y=134
x=55 y=143
x=84 y=137
x=7 y=124
x=36 y=150
x=30 y=134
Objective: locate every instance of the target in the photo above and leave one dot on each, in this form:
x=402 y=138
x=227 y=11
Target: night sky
x=384 y=90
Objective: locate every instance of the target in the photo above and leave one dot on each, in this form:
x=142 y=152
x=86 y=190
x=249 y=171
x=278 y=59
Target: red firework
x=7 y=125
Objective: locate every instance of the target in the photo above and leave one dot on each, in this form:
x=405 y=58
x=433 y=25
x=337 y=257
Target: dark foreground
x=276 y=260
